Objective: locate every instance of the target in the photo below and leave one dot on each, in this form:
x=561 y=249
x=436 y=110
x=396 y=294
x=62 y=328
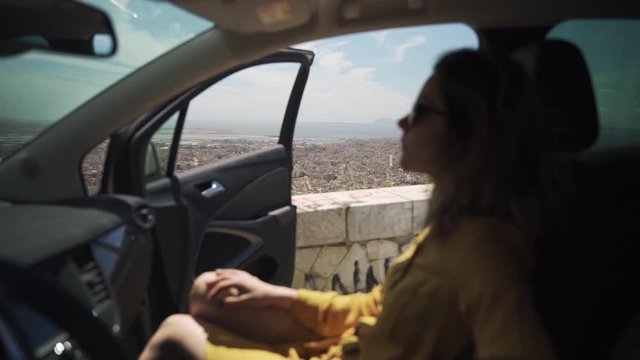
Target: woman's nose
x=403 y=124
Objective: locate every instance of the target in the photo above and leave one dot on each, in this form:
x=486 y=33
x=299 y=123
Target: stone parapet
x=347 y=240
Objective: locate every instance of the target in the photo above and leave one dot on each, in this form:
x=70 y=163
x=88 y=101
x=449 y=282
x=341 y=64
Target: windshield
x=40 y=88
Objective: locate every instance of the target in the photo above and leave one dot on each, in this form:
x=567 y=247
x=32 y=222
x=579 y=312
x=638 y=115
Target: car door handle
x=216 y=189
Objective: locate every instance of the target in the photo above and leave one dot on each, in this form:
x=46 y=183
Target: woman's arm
x=246 y=305
x=269 y=322
x=330 y=314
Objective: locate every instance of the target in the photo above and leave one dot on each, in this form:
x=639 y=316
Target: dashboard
x=98 y=250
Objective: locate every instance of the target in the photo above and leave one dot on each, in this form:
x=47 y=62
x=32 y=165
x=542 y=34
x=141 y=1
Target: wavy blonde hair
x=497 y=162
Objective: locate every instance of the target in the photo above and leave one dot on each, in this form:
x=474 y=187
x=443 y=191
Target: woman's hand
x=231 y=287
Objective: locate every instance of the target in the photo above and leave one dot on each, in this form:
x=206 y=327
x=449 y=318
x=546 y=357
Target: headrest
x=563 y=80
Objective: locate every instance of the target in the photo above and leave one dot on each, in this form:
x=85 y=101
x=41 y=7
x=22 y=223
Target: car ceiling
x=337 y=16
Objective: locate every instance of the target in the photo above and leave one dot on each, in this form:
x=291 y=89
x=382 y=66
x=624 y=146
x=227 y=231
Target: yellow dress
x=441 y=299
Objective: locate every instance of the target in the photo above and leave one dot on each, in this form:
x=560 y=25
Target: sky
x=375 y=75
x=355 y=78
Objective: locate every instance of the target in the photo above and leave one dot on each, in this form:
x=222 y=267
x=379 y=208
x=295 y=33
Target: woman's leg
x=178 y=337
x=182 y=336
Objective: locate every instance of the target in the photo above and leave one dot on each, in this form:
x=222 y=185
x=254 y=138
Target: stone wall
x=346 y=240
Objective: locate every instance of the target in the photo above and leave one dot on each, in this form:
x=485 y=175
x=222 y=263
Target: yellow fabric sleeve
x=330 y=314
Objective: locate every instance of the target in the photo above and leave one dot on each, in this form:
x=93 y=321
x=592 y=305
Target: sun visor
x=362 y=9
x=252 y=16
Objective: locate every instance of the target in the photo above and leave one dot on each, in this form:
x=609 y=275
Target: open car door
x=227 y=211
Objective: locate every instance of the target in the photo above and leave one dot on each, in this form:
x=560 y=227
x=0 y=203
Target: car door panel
x=250 y=225
x=262 y=194
x=247 y=173
x=241 y=244
x=251 y=221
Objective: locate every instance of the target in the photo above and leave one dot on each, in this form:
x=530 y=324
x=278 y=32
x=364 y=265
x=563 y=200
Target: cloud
x=335 y=44
x=400 y=50
x=336 y=91
x=309 y=45
x=326 y=55
x=352 y=97
x=280 y=75
x=334 y=61
x=361 y=72
x=380 y=36
x=322 y=46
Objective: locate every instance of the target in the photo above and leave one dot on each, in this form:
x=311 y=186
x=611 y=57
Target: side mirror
x=152 y=169
x=55 y=25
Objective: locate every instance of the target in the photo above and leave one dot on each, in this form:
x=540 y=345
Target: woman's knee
x=178 y=337
x=198 y=302
x=200 y=286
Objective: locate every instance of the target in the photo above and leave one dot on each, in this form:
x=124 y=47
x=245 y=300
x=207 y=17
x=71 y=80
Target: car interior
x=93 y=275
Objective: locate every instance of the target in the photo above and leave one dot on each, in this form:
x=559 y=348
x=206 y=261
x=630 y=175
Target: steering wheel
x=19 y=285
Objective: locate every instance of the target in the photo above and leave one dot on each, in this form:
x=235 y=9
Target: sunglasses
x=422 y=111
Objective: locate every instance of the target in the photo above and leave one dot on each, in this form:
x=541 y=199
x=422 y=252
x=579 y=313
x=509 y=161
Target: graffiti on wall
x=337 y=284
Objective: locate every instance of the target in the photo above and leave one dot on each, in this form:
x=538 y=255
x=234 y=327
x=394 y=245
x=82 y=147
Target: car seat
x=586 y=275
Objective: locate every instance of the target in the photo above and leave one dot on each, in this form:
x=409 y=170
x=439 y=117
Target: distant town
x=319 y=165
x=348 y=165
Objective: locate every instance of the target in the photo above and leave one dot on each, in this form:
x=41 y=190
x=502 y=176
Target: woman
x=461 y=289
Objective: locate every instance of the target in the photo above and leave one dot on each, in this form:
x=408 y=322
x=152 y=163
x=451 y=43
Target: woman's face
x=424 y=132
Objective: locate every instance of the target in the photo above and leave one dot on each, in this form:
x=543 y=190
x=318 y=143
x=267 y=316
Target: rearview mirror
x=55 y=25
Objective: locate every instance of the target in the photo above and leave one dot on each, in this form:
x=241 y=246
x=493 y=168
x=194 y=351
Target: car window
x=93 y=167
x=159 y=149
x=612 y=54
x=360 y=85
x=39 y=88
x=240 y=114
